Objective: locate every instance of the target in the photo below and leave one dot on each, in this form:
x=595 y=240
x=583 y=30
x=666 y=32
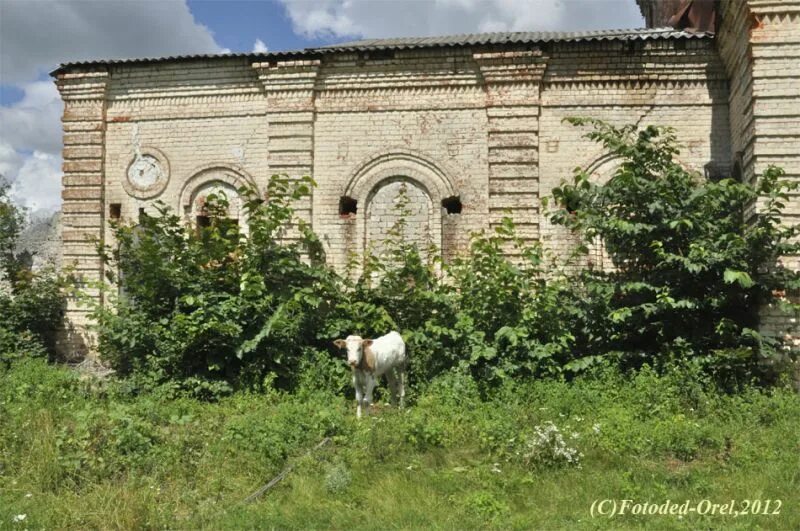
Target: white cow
x=372 y=358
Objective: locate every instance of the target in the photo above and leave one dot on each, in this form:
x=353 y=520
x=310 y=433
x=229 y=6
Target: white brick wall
x=482 y=124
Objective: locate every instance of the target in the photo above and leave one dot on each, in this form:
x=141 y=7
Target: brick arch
x=423 y=221
x=601 y=168
x=399 y=162
x=211 y=177
x=426 y=178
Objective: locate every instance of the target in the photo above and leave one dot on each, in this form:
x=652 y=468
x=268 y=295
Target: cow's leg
x=392 y=380
x=357 y=386
x=370 y=386
x=401 y=381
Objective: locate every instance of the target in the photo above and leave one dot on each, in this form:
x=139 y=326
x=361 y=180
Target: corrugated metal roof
x=524 y=37
x=102 y=62
x=404 y=43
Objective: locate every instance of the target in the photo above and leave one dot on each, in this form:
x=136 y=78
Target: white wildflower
x=547 y=446
x=20 y=517
x=596 y=428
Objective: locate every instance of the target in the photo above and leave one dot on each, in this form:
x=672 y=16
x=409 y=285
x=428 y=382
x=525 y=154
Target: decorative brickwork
x=84 y=120
x=759 y=42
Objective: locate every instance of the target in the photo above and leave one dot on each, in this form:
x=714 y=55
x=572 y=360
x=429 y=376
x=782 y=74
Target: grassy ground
x=80 y=455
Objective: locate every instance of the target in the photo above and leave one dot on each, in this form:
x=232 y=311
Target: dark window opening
x=203 y=222
x=737 y=174
x=142 y=214
x=452 y=204
x=115 y=210
x=347 y=206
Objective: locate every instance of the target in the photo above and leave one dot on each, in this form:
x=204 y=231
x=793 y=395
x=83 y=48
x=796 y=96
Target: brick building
x=470 y=124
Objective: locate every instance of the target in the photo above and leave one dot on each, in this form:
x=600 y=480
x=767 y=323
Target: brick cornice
x=525 y=66
x=288 y=76
x=91 y=85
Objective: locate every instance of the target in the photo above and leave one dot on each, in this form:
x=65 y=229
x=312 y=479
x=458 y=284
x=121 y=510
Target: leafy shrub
x=694 y=262
x=485 y=505
x=31 y=303
x=338 y=479
x=208 y=310
x=209 y=303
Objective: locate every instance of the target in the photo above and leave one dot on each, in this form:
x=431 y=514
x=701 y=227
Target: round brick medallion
x=148 y=174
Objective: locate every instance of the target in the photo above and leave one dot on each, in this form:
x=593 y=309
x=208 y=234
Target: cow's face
x=355 y=349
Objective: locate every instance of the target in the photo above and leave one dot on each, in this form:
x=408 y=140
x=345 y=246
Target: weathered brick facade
x=480 y=121
x=759 y=43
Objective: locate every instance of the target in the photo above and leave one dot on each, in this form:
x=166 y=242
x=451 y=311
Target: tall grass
x=75 y=454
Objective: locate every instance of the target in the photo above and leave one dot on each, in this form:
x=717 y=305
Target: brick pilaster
x=513 y=84
x=84 y=96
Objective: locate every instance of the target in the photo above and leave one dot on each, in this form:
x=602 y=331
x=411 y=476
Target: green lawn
x=82 y=455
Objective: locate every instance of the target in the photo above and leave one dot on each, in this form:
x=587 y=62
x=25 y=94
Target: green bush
x=209 y=306
x=694 y=262
x=204 y=311
x=31 y=303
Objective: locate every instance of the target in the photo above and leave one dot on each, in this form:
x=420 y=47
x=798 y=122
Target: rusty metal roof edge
x=448 y=41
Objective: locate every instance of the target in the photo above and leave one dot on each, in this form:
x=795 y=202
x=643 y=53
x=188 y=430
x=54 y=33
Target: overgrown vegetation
x=693 y=262
x=210 y=309
x=31 y=303
x=78 y=454
x=537 y=389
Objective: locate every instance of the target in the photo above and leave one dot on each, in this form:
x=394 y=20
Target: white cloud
x=30 y=146
x=259 y=46
x=36 y=36
x=402 y=18
x=10 y=160
x=33 y=123
x=38 y=183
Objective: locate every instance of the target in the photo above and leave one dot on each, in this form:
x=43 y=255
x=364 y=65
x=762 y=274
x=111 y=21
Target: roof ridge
x=440 y=41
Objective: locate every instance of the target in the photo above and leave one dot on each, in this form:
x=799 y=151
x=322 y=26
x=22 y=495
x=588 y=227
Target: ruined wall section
x=759 y=42
x=512 y=81
x=419 y=115
x=84 y=96
x=679 y=83
x=290 y=114
x=733 y=43
x=195 y=121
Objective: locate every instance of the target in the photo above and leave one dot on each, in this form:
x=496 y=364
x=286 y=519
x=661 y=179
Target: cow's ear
x=340 y=343
x=367 y=342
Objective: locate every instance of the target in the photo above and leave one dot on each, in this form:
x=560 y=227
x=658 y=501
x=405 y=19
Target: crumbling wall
x=476 y=133
x=677 y=83
x=759 y=43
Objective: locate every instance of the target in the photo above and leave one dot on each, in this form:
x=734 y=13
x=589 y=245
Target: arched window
x=400 y=208
x=601 y=170
x=221 y=182
x=375 y=191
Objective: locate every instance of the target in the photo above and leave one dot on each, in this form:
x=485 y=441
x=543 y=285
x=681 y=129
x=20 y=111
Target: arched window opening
x=218 y=204
x=400 y=210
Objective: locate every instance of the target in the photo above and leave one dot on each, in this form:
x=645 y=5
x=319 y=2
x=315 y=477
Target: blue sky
x=238 y=23
x=37 y=35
